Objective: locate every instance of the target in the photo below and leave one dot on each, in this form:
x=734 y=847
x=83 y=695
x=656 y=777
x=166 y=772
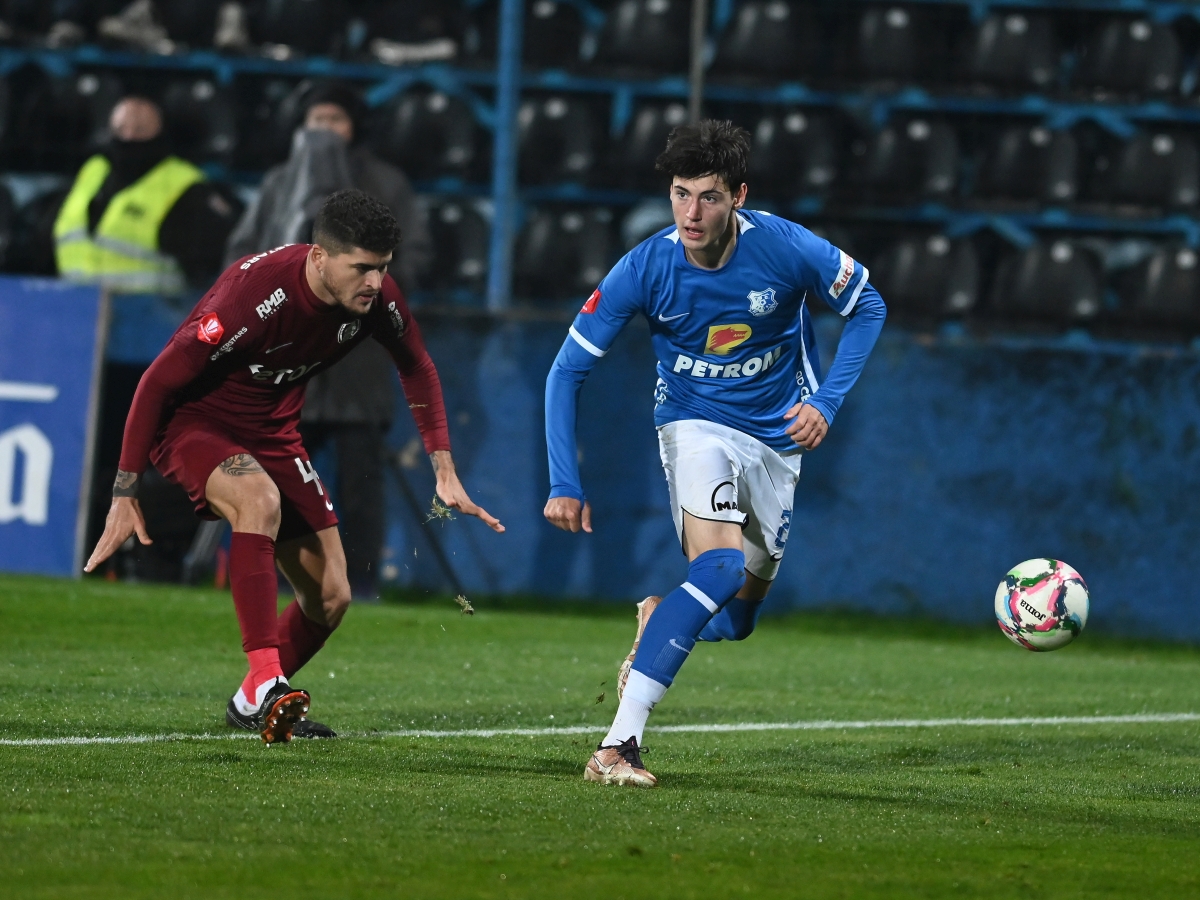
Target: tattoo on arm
x=433 y=461
x=241 y=464
x=126 y=484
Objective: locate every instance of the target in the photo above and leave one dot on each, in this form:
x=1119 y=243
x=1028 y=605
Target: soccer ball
x=1042 y=604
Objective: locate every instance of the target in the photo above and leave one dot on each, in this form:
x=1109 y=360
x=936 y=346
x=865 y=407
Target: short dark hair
x=713 y=147
x=352 y=218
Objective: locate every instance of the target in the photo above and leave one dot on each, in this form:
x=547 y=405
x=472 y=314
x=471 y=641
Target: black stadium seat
x=1031 y=163
x=1131 y=55
x=306 y=26
x=429 y=134
x=645 y=138
x=908 y=161
x=928 y=276
x=769 y=37
x=1154 y=169
x=58 y=122
x=1014 y=49
x=564 y=253
x=201 y=120
x=190 y=22
x=899 y=42
x=1165 y=288
x=1052 y=279
x=460 y=243
x=552 y=38
x=796 y=152
x=647 y=34
x=558 y=136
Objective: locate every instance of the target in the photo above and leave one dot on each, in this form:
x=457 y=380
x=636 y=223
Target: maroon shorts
x=193 y=447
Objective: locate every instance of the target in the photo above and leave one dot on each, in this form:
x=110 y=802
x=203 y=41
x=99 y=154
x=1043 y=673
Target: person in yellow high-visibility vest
x=139 y=219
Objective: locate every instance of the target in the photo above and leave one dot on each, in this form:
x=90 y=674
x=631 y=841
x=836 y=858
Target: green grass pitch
x=1043 y=810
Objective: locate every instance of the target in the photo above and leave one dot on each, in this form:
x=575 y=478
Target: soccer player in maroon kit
x=217 y=413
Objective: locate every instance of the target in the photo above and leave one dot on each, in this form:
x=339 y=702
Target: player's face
x=703 y=210
x=353 y=279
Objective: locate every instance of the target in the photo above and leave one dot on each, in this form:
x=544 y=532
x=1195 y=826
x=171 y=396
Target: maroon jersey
x=244 y=353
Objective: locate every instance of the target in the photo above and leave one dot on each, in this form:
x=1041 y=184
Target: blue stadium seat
x=460 y=243
x=1031 y=163
x=928 y=276
x=564 y=253
x=558 y=136
x=59 y=121
x=645 y=138
x=796 y=152
x=429 y=134
x=1053 y=279
x=1131 y=55
x=201 y=120
x=1164 y=289
x=1154 y=169
x=769 y=37
x=647 y=34
x=1014 y=49
x=908 y=160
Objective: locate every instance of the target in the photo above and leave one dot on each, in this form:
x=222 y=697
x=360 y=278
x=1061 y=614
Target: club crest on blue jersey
x=762 y=303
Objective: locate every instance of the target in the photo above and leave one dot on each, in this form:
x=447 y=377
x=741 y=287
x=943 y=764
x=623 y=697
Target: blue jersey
x=735 y=345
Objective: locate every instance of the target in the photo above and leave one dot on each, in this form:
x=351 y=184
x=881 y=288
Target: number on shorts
x=309 y=474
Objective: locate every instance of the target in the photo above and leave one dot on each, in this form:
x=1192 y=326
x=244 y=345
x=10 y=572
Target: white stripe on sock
x=704 y=599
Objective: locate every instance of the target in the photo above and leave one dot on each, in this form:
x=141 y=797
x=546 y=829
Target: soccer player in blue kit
x=739 y=401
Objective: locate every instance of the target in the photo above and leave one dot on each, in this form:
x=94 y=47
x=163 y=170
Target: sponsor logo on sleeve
x=397 y=319
x=844 y=275
x=762 y=303
x=272 y=303
x=228 y=345
x=592 y=302
x=348 y=331
x=252 y=260
x=210 y=330
x=723 y=338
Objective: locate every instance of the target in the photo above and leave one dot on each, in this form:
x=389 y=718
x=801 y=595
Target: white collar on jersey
x=744 y=223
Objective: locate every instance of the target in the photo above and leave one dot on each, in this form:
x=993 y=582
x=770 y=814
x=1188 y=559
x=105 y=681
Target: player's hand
x=451 y=492
x=569 y=514
x=124 y=518
x=809 y=427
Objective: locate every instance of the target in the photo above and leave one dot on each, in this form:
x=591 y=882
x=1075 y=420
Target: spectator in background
x=139 y=219
x=352 y=405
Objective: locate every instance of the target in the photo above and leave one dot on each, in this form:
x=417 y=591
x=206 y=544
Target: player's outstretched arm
x=454 y=495
x=124 y=518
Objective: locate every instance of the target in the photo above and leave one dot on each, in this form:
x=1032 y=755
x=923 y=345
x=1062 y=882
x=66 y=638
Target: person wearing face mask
x=349 y=408
x=139 y=219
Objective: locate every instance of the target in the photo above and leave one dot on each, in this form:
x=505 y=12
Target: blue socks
x=713 y=580
x=735 y=621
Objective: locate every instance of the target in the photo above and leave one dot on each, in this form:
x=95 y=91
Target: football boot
x=644 y=609
x=305 y=728
x=621 y=764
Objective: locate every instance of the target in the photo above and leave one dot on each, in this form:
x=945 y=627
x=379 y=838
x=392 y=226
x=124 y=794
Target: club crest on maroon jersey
x=210 y=330
x=348 y=331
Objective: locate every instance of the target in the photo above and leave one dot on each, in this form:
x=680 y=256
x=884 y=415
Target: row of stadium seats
x=1010 y=49
x=51 y=124
x=563 y=253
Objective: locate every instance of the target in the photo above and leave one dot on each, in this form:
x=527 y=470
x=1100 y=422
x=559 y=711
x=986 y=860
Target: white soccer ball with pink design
x=1042 y=604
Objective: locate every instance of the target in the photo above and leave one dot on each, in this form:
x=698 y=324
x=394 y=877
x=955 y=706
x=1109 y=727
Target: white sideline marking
x=814 y=725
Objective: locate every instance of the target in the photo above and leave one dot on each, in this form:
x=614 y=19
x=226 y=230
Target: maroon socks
x=255 y=596
x=299 y=638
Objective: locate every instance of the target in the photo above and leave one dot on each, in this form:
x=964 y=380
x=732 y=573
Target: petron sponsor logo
x=348 y=331
x=762 y=303
x=845 y=273
x=277 y=376
x=228 y=345
x=592 y=302
x=723 y=338
x=397 y=319
x=210 y=330
x=272 y=303
x=724 y=496
x=746 y=368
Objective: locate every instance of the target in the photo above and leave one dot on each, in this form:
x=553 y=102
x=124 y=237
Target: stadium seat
x=1153 y=169
x=1165 y=288
x=190 y=22
x=647 y=34
x=1131 y=55
x=1031 y=163
x=645 y=138
x=644 y=219
x=429 y=134
x=414 y=21
x=796 y=152
x=270 y=110
x=460 y=243
x=901 y=43
x=201 y=120
x=909 y=160
x=769 y=37
x=59 y=121
x=928 y=276
x=558 y=137
x=1053 y=279
x=553 y=36
x=31 y=251
x=305 y=26
x=1014 y=49
x=564 y=253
